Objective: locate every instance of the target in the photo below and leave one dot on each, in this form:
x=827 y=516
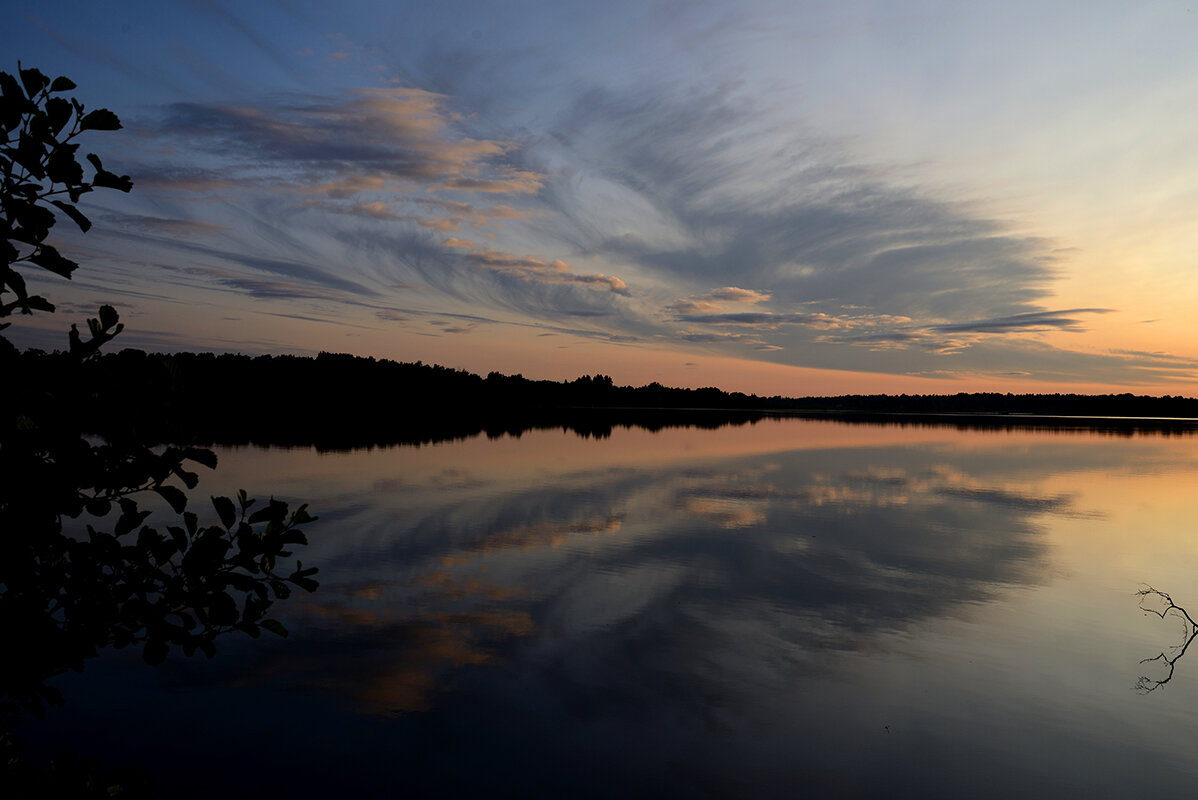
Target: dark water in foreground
x=793 y=608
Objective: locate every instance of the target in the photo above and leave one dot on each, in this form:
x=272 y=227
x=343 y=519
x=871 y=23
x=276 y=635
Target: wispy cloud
x=716 y=300
x=535 y=269
x=1031 y=321
x=363 y=140
x=166 y=226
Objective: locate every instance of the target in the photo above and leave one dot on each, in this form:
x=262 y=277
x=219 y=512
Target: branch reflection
x=1157 y=602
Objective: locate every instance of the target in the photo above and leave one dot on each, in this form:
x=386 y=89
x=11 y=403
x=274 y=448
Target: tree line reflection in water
x=528 y=623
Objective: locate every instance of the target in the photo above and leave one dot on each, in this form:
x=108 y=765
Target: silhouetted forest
x=337 y=400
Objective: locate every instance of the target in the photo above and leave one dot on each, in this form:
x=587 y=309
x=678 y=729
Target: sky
x=793 y=198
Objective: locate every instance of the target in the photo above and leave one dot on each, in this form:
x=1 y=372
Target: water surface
x=788 y=608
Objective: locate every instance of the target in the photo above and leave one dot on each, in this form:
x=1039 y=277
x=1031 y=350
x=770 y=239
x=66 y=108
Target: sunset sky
x=775 y=197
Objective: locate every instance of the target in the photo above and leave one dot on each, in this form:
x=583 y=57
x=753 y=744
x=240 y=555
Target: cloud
x=1035 y=320
x=361 y=140
x=736 y=295
x=261 y=289
x=715 y=299
x=196 y=180
x=1164 y=360
x=455 y=214
x=446 y=326
x=761 y=319
x=295 y=270
x=711 y=189
x=535 y=269
x=713 y=337
x=372 y=156
x=164 y=226
x=737 y=233
x=901 y=332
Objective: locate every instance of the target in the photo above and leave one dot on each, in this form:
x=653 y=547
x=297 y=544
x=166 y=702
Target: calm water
x=786 y=609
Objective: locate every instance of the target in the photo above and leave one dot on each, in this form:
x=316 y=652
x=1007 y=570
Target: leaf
x=49 y=258
x=224 y=610
x=301 y=516
x=274 y=626
x=29 y=154
x=307 y=584
x=242 y=583
x=178 y=536
x=200 y=455
x=147 y=538
x=226 y=511
x=108 y=316
x=274 y=512
x=34 y=80
x=35 y=223
x=174 y=496
x=100 y=120
x=155 y=651
x=126 y=523
x=62 y=84
x=110 y=180
x=130 y=517
x=75 y=214
x=17 y=283
x=98 y=507
x=61 y=166
x=58 y=112
x=190 y=479
x=293 y=537
x=14 y=103
x=75 y=192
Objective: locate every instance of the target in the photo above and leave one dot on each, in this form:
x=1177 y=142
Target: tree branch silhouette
x=1145 y=684
x=110 y=579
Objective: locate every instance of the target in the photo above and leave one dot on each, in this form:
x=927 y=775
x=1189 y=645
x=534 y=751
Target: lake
x=787 y=608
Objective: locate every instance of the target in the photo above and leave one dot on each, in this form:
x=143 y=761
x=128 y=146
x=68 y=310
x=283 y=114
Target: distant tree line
x=1069 y=405
x=338 y=400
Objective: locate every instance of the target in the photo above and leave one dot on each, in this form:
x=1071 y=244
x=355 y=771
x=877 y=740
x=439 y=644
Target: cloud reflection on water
x=708 y=573
x=557 y=617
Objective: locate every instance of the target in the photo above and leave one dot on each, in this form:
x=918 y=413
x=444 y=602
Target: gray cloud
x=365 y=140
x=708 y=195
x=763 y=319
x=166 y=226
x=645 y=213
x=1036 y=320
x=312 y=276
x=757 y=207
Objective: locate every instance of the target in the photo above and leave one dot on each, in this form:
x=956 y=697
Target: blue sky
x=778 y=197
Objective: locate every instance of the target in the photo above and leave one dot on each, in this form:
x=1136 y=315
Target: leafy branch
x=114 y=579
x=40 y=172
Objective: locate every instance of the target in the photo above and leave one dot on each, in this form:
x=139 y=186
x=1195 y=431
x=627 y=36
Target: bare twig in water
x=1156 y=598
